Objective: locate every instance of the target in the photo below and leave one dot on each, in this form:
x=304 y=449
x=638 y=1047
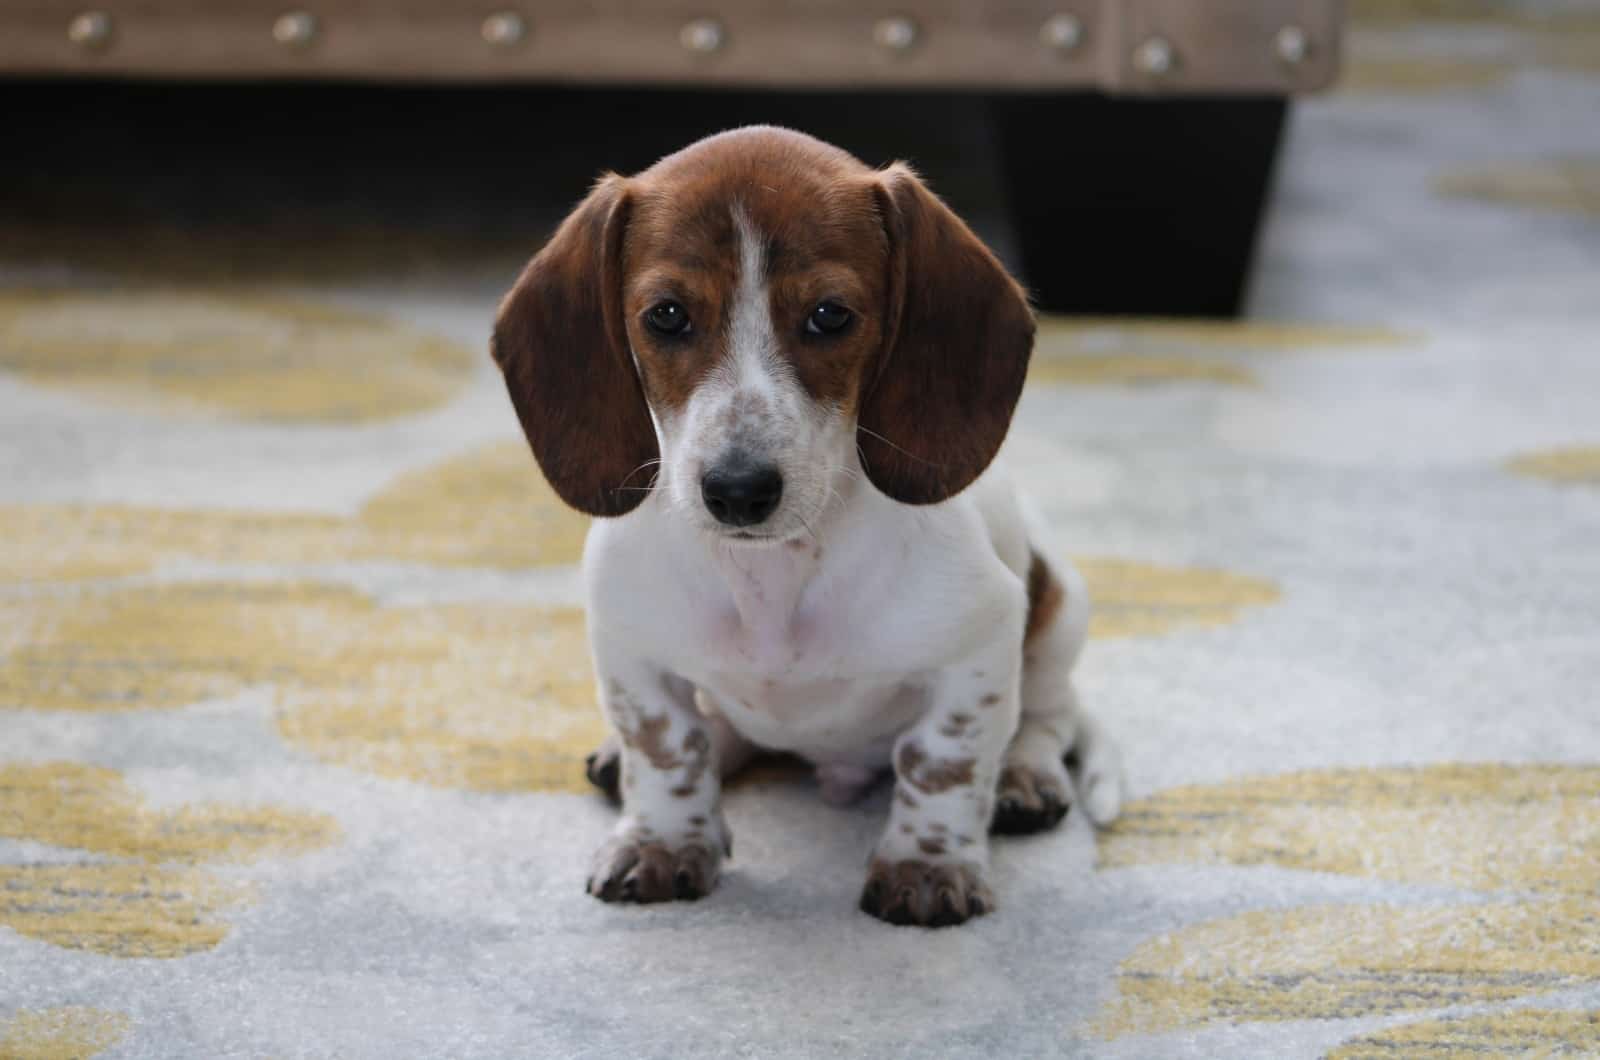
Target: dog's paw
x=1028 y=801
x=631 y=868
x=925 y=894
x=604 y=769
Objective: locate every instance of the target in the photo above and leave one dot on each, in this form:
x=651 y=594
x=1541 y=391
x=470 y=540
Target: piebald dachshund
x=780 y=378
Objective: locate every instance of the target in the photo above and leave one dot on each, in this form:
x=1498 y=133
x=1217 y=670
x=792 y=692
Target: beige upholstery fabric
x=1233 y=45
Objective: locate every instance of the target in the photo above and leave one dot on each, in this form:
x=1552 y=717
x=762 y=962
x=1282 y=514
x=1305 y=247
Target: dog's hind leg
x=1058 y=749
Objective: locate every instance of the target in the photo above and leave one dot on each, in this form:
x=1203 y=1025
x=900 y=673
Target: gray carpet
x=293 y=692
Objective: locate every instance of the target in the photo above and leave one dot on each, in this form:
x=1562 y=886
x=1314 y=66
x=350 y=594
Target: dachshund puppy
x=780 y=377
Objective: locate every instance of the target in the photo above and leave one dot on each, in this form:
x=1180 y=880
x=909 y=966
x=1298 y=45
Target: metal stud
x=1062 y=33
x=504 y=29
x=91 y=29
x=1155 y=57
x=703 y=35
x=1293 y=44
x=896 y=33
x=295 y=29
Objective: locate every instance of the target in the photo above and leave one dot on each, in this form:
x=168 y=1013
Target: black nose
x=741 y=496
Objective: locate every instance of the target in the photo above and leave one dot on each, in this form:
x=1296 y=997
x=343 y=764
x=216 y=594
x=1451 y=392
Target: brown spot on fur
x=698 y=821
x=938 y=828
x=910 y=757
x=990 y=700
x=931 y=846
x=906 y=829
x=697 y=749
x=904 y=798
x=932 y=777
x=1045 y=597
x=696 y=758
x=945 y=774
x=647 y=736
x=795 y=545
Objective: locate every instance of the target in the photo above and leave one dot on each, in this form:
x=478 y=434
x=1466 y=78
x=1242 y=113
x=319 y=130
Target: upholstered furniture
x=1136 y=137
x=1132 y=46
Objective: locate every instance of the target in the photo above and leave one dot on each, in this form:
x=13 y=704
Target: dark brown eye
x=667 y=318
x=827 y=319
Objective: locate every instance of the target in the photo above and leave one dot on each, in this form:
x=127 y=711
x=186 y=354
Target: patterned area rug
x=294 y=694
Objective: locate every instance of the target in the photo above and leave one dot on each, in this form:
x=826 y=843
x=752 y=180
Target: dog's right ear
x=561 y=341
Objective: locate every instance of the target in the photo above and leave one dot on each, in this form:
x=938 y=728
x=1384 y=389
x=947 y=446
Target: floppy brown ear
x=956 y=345
x=562 y=343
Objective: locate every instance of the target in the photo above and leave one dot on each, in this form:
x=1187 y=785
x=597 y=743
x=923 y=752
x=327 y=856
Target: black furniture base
x=1125 y=206
x=1104 y=206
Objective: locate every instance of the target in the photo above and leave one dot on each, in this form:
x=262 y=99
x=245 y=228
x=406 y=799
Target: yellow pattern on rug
x=1578 y=464
x=168 y=646
x=1145 y=600
x=1127 y=369
x=488 y=697
x=1100 y=334
x=130 y=911
x=71 y=1032
x=1419 y=75
x=487 y=507
x=153 y=902
x=1348 y=961
x=1569 y=185
x=257 y=357
x=91 y=808
x=491 y=698
x=1489 y=827
x=1520 y=1034
x=1524 y=830
x=1116 y=351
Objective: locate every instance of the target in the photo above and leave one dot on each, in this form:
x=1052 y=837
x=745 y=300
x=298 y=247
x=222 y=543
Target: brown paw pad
x=1026 y=802
x=925 y=895
x=633 y=871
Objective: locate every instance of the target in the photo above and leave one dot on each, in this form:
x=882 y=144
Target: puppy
x=780 y=378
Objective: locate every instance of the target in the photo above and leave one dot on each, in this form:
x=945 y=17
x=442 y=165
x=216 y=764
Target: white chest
x=798 y=671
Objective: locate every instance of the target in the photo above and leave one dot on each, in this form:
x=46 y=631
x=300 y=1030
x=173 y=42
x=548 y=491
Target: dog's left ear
x=561 y=340
x=956 y=344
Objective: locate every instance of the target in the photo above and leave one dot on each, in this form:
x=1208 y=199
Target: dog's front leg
x=671 y=839
x=931 y=865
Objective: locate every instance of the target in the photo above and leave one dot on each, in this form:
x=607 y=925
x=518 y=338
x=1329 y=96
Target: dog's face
x=754 y=306
x=749 y=311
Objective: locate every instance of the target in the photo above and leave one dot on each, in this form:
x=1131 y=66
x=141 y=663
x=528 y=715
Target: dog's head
x=750 y=311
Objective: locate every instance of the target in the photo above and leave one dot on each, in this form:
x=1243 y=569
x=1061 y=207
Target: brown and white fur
x=893 y=606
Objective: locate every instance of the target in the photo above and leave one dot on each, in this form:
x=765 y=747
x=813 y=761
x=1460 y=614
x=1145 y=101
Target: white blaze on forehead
x=752 y=343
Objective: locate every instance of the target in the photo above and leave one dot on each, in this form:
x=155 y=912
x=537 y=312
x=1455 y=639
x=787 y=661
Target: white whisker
x=896 y=448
